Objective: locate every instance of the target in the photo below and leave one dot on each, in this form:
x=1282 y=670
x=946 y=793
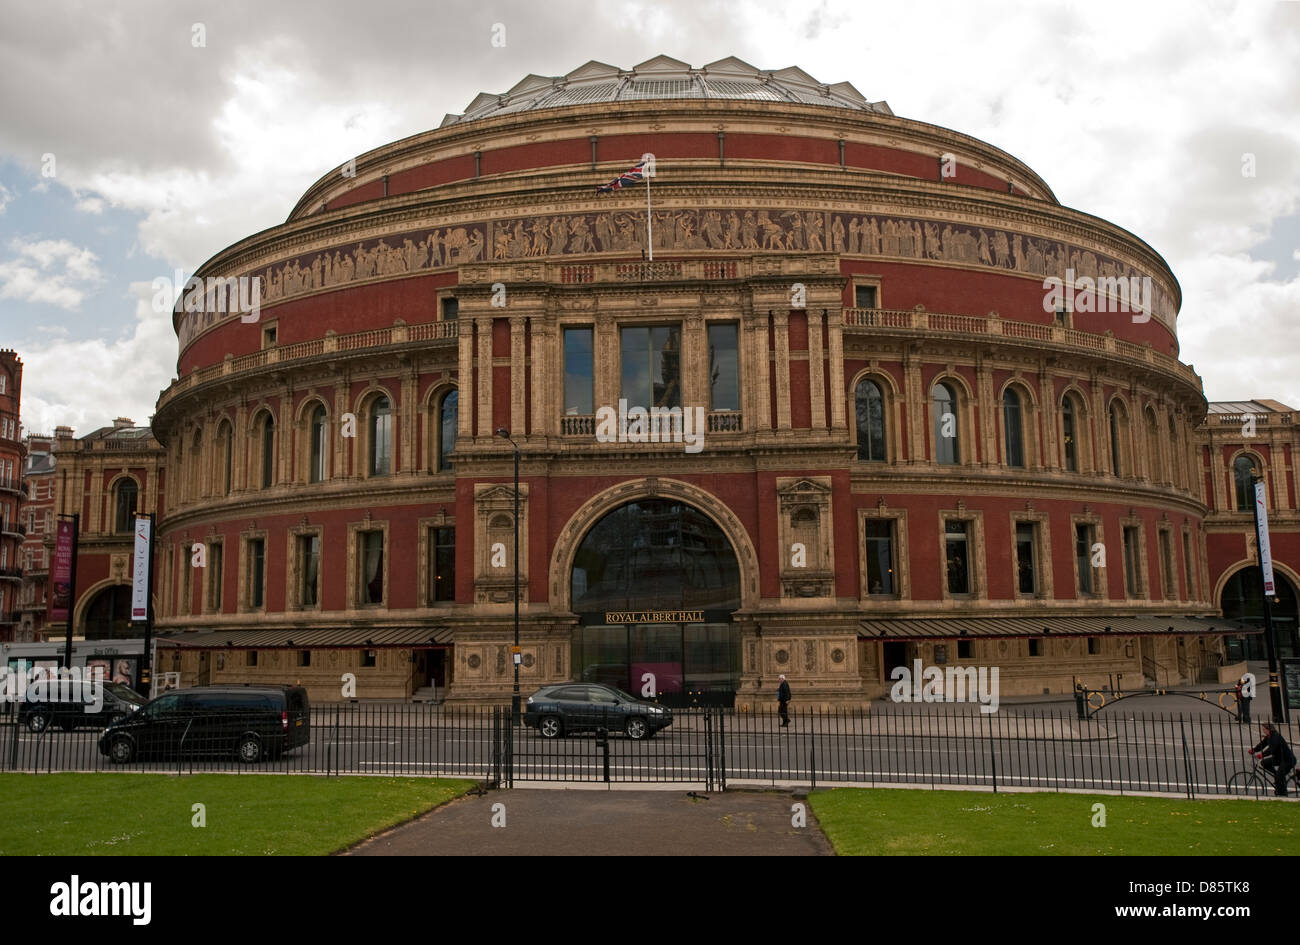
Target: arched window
x=124 y=501
x=268 y=452
x=1069 y=434
x=1243 y=471
x=448 y=420
x=226 y=450
x=1118 y=427
x=316 y=462
x=1013 y=428
x=947 y=431
x=871 y=421
x=381 y=437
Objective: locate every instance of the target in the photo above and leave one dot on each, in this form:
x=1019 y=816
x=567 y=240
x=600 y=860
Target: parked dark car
x=70 y=704
x=570 y=707
x=247 y=722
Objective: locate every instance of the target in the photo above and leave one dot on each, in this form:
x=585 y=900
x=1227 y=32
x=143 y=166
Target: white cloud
x=51 y=272
x=6 y=197
x=93 y=205
x=85 y=383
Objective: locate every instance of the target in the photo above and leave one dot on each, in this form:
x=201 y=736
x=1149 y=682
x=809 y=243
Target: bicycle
x=1255 y=781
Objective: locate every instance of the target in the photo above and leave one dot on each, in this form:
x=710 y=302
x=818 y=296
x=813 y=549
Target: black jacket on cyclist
x=1276 y=750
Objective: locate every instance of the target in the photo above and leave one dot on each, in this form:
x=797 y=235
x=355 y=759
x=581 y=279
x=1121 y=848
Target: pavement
x=607 y=823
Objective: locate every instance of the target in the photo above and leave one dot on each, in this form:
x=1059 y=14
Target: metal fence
x=1051 y=749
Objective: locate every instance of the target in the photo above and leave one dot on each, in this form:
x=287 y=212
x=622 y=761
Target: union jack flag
x=634 y=175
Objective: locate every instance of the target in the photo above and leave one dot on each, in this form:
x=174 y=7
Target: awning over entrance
x=927 y=628
x=299 y=639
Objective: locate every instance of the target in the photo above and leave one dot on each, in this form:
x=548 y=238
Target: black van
x=73 y=703
x=247 y=722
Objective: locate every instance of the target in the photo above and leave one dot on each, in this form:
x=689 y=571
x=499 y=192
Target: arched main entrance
x=108 y=615
x=1242 y=599
x=654 y=584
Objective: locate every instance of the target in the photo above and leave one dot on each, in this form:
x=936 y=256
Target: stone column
x=694 y=364
x=1048 y=410
x=757 y=355
x=484 y=326
x=989 y=408
x=518 y=389
x=540 y=338
x=465 y=379
x=239 y=447
x=286 y=429
x=605 y=362
x=835 y=351
x=340 y=468
x=408 y=415
x=914 y=395
x=781 y=325
x=1100 y=428
x=816 y=371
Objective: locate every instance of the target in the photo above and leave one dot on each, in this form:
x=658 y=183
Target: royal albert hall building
x=902 y=453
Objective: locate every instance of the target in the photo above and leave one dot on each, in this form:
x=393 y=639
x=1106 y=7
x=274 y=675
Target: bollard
x=602 y=742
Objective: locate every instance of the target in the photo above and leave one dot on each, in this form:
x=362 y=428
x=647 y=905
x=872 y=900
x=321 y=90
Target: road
x=1042 y=747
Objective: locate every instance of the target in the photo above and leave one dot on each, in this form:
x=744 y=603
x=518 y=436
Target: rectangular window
x=1167 y=566
x=215 y=576
x=309 y=570
x=257 y=572
x=651 y=366
x=1187 y=564
x=367 y=658
x=964 y=648
x=1035 y=648
x=724 y=368
x=443 y=557
x=1083 y=555
x=269 y=335
x=864 y=296
x=372 y=567
x=957 y=552
x=1094 y=646
x=578 y=384
x=1131 y=561
x=304 y=657
x=251 y=658
x=880 y=557
x=450 y=308
x=1026 y=582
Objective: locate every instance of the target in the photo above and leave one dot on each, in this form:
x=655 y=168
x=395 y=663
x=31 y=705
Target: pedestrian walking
x=1244 y=694
x=783 y=701
x=1276 y=756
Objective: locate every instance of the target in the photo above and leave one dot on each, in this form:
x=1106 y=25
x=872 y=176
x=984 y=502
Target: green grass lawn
x=147 y=814
x=886 y=822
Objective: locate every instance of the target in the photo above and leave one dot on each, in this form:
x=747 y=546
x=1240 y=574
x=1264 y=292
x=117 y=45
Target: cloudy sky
x=129 y=149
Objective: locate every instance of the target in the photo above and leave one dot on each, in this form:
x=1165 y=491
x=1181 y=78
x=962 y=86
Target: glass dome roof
x=665 y=78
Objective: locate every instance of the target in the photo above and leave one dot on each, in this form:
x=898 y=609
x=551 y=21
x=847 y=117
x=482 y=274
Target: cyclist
x=1276 y=755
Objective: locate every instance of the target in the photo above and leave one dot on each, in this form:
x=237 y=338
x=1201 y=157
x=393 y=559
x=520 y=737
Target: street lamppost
x=515 y=652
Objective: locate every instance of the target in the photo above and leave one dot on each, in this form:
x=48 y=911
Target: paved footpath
x=607 y=823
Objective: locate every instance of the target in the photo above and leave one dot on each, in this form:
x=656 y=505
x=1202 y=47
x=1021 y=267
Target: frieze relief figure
x=683 y=229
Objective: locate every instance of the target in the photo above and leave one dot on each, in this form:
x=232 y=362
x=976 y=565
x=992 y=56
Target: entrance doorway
x=654 y=584
x=894 y=654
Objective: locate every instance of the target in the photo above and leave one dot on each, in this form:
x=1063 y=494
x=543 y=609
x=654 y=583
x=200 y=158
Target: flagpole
x=649 y=225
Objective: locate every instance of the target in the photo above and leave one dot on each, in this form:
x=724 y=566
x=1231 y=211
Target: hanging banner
x=140 y=572
x=64 y=536
x=1265 y=554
